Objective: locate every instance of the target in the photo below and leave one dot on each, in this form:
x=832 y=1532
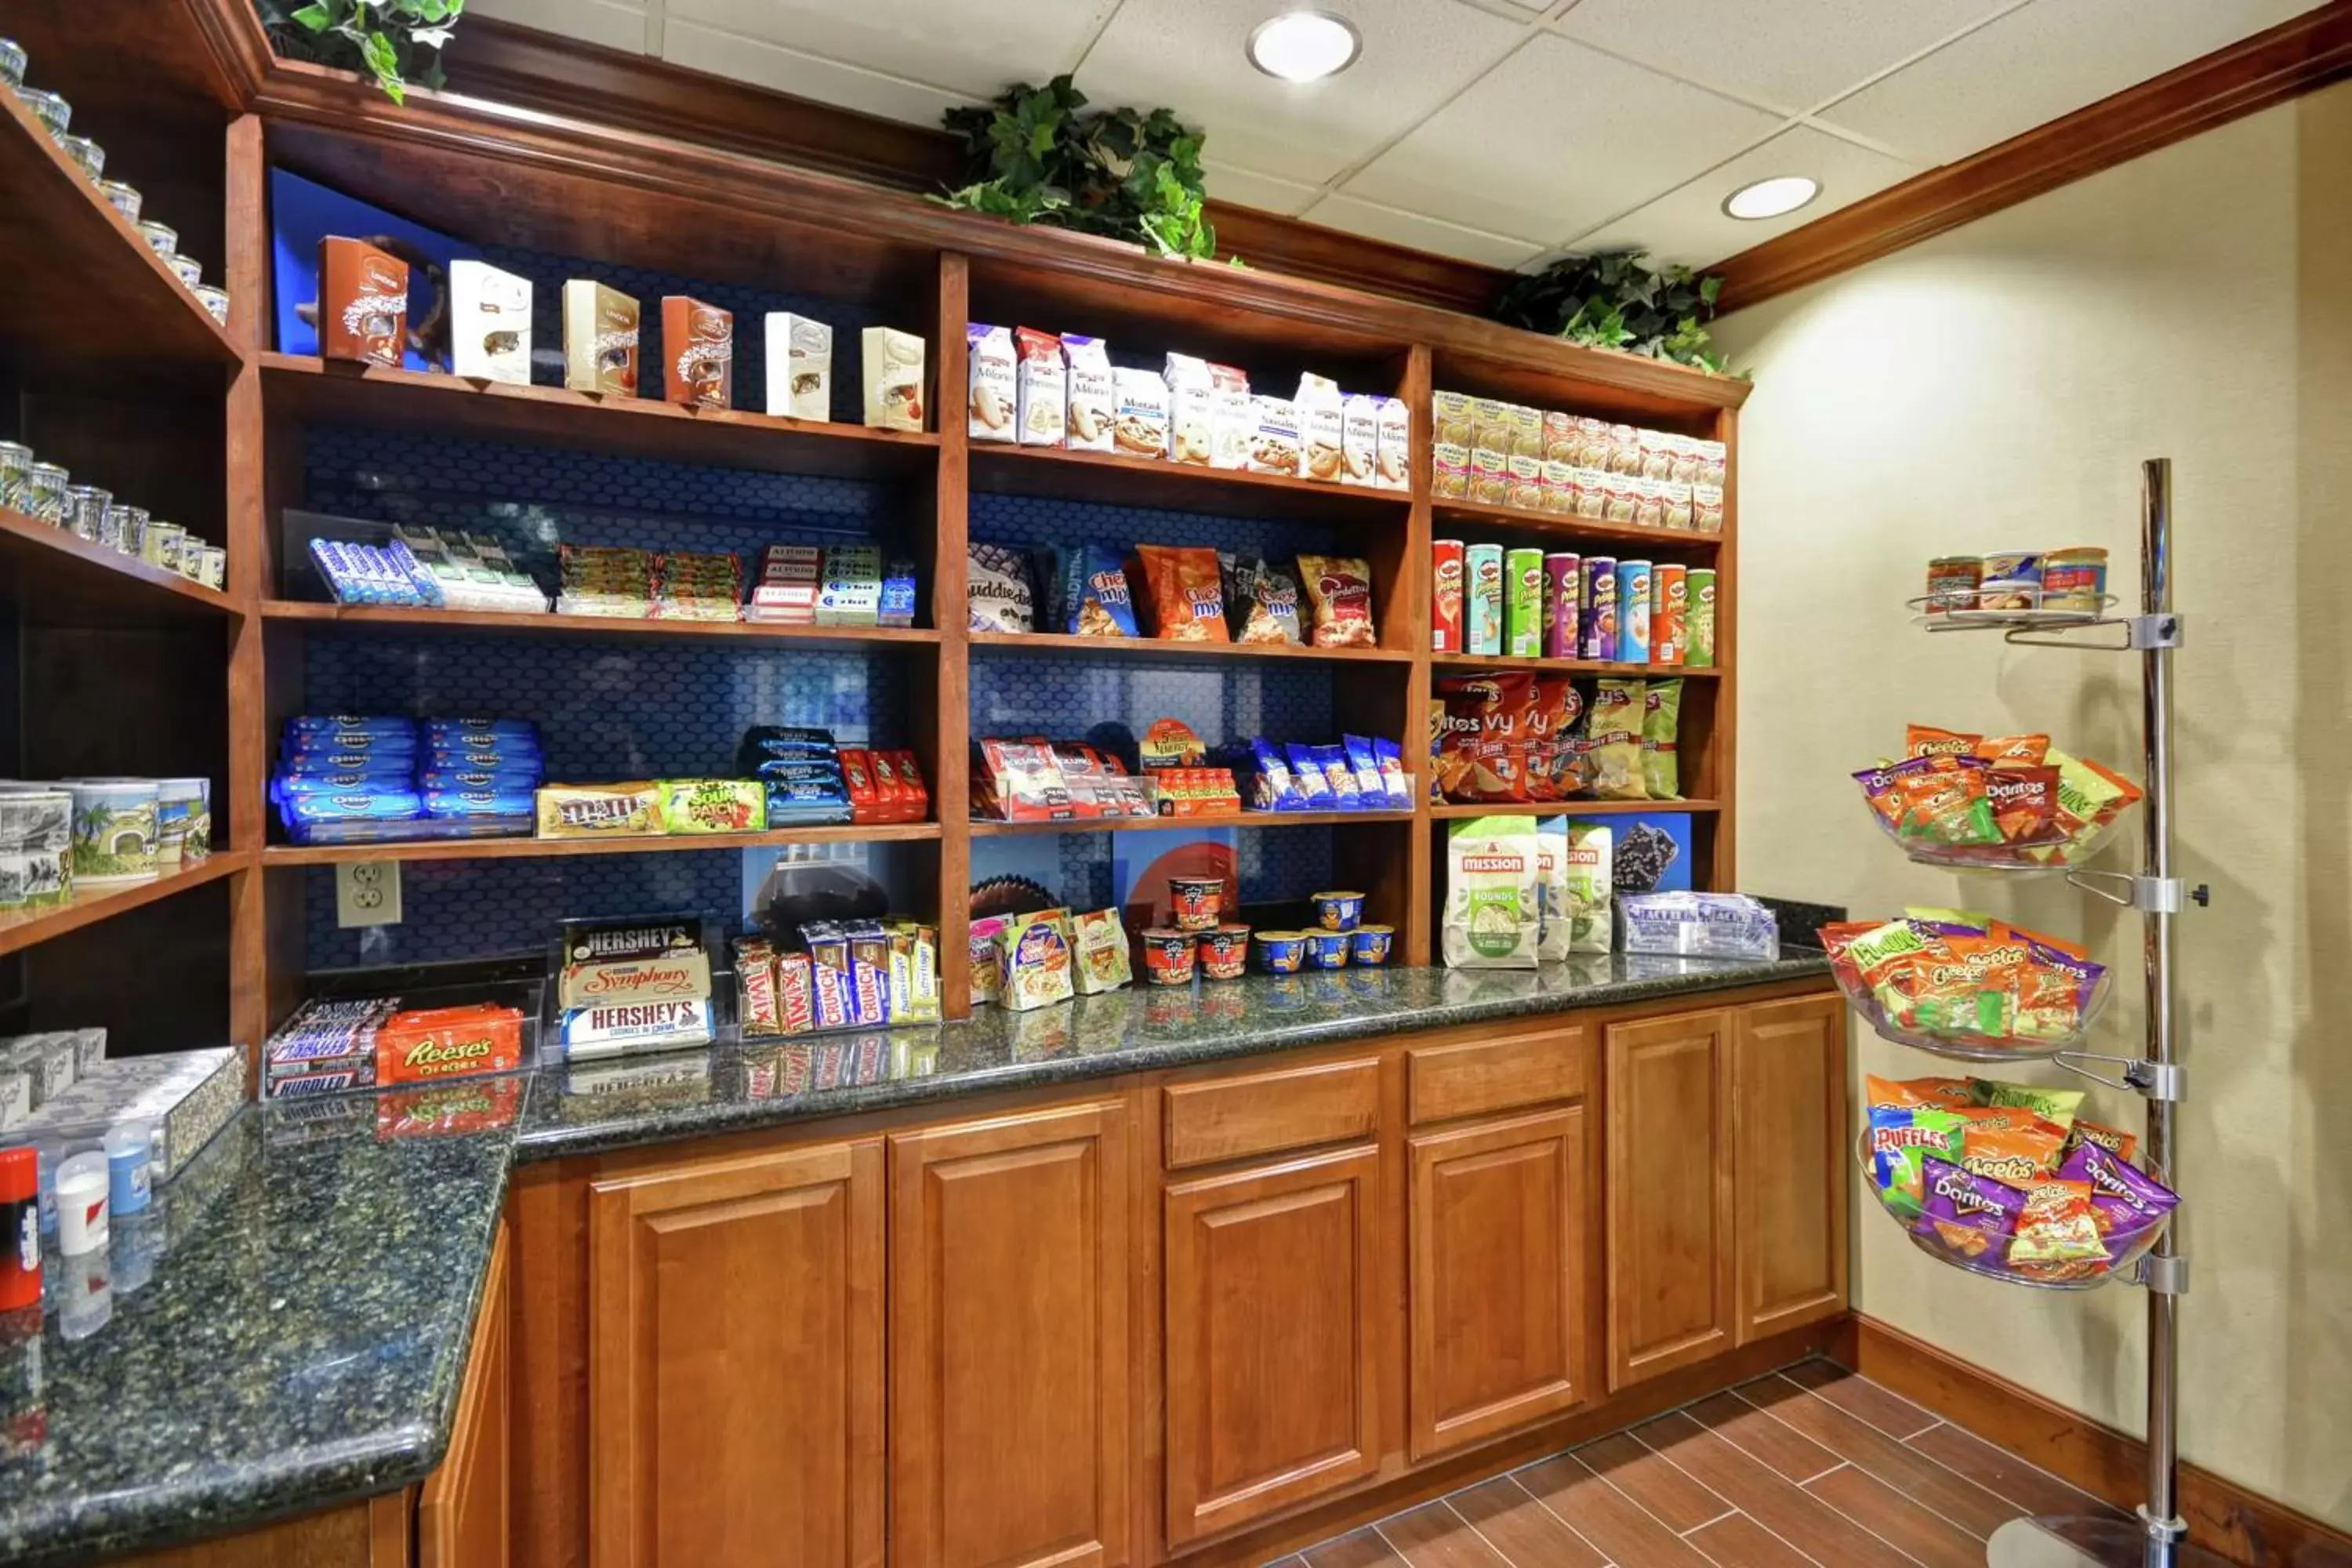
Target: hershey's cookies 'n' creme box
x=600 y=338
x=489 y=323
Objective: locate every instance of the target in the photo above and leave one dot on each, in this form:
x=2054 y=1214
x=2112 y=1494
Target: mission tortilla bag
x=1493 y=911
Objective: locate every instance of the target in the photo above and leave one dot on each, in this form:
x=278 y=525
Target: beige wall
x=1996 y=388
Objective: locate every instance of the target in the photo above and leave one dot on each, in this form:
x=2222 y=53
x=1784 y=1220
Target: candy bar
x=610 y=1029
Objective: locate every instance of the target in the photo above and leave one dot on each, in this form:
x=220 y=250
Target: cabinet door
x=735 y=1361
x=1272 y=1366
x=461 y=1512
x=1670 y=1256
x=1010 y=1356
x=1789 y=1092
x=1497 y=1304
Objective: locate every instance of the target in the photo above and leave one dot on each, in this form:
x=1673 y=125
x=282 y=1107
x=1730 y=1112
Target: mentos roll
x=1633 y=612
x=1597 y=617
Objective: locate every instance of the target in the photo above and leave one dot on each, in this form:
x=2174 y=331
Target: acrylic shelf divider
x=1005 y=468
x=28 y=927
x=414 y=621
x=302 y=387
x=636 y=844
x=84 y=289
x=55 y=577
x=1056 y=643
x=1467 y=663
x=1571 y=530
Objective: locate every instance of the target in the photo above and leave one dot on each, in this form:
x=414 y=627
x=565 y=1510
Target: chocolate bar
x=682 y=974
x=633 y=938
x=608 y=1030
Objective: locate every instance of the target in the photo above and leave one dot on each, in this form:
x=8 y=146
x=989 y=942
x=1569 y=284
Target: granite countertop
x=286 y=1328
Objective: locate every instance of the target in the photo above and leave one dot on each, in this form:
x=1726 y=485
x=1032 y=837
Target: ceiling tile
x=972 y=47
x=1790 y=55
x=1419 y=233
x=1187 y=54
x=1689 y=225
x=615 y=23
x=1252 y=189
x=806 y=76
x=1558 y=139
x=2037 y=63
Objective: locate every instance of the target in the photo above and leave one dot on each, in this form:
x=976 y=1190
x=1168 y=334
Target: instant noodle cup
x=1225 y=952
x=1168 y=956
x=1197 y=901
x=1328 y=949
x=1338 y=912
x=1369 y=944
x=1282 y=951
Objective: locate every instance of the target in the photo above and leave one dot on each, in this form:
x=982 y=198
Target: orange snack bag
x=1921 y=1093
x=1927 y=740
x=1186 y=590
x=2015 y=751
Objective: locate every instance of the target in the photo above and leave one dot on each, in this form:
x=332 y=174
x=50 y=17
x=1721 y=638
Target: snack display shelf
x=1575 y=667
x=2009 y=622
x=367 y=619
x=1158 y=647
x=305 y=387
x=640 y=844
x=1974 y=1047
x=71 y=248
x=2124 y=1248
x=1480 y=513
x=25 y=928
x=1446 y=808
x=2012 y=860
x=985 y=827
x=57 y=577
x=1053 y=471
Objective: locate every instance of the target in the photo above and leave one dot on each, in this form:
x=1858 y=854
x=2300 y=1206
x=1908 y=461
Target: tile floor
x=1811 y=1465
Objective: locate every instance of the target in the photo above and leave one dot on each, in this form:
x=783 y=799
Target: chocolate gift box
x=362 y=302
x=697 y=353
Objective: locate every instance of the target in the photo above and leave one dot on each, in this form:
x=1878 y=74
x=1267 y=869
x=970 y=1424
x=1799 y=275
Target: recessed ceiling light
x=1772 y=198
x=1305 y=46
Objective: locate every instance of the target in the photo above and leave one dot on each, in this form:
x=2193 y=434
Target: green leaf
x=315 y=17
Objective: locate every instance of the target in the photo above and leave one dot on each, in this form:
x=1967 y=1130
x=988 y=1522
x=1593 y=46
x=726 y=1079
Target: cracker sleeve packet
x=1900 y=1138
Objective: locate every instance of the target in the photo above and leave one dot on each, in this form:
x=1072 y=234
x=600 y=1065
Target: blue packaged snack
x=1346 y=794
x=466 y=743
x=493 y=751
x=287 y=784
x=1394 y=782
x=806 y=803
x=1091 y=592
x=396 y=764
x=333 y=725
x=373 y=805
x=1272 y=788
x=295 y=744
x=781 y=742
x=825 y=772
x=438 y=730
x=1371 y=792
x=898 y=595
x=480 y=803
x=1314 y=784
x=504 y=780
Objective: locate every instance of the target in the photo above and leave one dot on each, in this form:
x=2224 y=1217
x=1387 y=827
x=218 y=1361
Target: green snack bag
x=1974 y=920
x=1662 y=713
x=2053 y=1105
x=1900 y=1137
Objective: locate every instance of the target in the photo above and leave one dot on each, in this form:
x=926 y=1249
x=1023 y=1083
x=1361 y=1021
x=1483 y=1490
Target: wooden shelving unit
x=21 y=928
x=1449 y=809
x=59 y=578
x=1465 y=663
x=576 y=189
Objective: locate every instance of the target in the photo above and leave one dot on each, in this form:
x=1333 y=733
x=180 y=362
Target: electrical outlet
x=367 y=893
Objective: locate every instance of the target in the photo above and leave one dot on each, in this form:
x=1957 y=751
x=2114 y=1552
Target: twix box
x=362 y=302
x=697 y=353
x=448 y=1042
x=600 y=338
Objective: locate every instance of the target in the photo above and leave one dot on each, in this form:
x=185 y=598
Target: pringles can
x=1446 y=597
x=1669 y=606
x=1698 y=625
x=1523 y=589
x=1482 y=599
x=1596 y=617
x=1633 y=612
x=1563 y=594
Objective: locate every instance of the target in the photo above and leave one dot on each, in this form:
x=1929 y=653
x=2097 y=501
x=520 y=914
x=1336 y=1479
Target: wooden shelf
x=84 y=290
x=1568 y=807
x=1154 y=648
x=368 y=619
x=25 y=927
x=303 y=388
x=1000 y=467
x=551 y=849
x=1464 y=661
x=1475 y=514
x=982 y=829
x=58 y=578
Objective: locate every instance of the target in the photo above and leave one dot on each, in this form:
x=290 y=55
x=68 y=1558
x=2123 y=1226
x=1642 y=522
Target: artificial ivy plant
x=396 y=41
x=1616 y=300
x=1032 y=156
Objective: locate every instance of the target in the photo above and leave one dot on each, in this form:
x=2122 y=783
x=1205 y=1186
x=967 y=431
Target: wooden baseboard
x=2242 y=1525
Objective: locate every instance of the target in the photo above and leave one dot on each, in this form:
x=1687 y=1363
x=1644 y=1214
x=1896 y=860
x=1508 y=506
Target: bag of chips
x=1493 y=919
x=1900 y=1138
x=1554 y=910
x=1921 y=1093
x=2056 y=1226
x=1591 y=889
x=1261 y=601
x=1489 y=722
x=1187 y=597
x=1661 y=714
x=1339 y=588
x=1090 y=592
x=1614 y=726
x=2089 y=797
x=1969 y=1215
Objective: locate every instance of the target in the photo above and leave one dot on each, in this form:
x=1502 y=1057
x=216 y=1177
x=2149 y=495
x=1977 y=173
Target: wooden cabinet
x=735 y=1361
x=1497 y=1223
x=1273 y=1338
x=1788 y=1204
x=1011 y=1359
x=462 y=1509
x=1670 y=1295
